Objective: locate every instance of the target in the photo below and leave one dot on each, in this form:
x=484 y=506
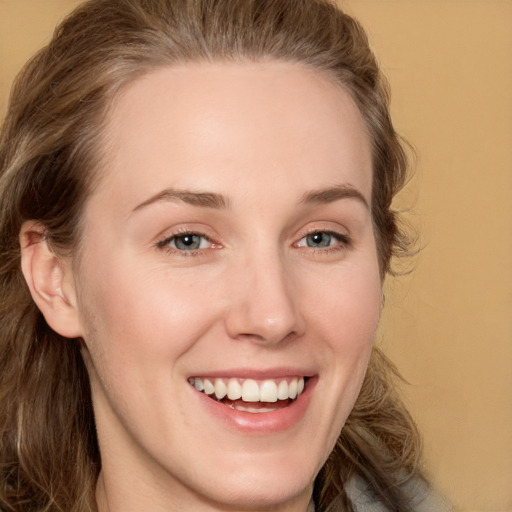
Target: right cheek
x=140 y=313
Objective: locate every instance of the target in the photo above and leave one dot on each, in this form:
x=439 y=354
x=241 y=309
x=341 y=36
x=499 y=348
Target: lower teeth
x=255 y=407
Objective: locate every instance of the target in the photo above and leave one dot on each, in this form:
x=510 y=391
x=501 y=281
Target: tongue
x=255 y=407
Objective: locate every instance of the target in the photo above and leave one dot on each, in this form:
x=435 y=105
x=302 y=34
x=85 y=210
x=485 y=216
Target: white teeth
x=209 y=388
x=268 y=391
x=282 y=390
x=234 y=389
x=300 y=386
x=220 y=389
x=292 y=389
x=251 y=408
x=249 y=390
x=198 y=384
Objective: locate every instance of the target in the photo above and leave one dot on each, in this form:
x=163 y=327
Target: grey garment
x=423 y=498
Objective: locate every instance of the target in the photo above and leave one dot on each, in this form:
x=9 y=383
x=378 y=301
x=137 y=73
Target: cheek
x=356 y=325
x=346 y=316
x=132 y=316
x=348 y=306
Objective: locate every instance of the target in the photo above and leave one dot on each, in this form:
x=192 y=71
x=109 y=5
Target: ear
x=50 y=280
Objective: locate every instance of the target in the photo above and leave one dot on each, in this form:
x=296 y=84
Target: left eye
x=320 y=239
x=187 y=242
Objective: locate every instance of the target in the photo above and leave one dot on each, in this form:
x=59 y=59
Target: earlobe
x=50 y=280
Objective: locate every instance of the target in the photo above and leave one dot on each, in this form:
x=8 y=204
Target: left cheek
x=350 y=311
x=349 y=320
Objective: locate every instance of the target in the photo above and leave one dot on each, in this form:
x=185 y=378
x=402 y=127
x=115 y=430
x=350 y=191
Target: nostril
x=258 y=327
x=263 y=307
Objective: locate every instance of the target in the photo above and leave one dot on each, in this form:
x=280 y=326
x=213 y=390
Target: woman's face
x=229 y=247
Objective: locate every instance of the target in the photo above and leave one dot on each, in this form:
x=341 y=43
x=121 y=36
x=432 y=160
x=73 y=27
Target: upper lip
x=257 y=373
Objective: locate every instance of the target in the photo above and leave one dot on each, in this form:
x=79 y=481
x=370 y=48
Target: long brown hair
x=49 y=149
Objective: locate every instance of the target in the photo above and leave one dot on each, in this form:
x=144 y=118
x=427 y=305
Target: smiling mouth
x=249 y=395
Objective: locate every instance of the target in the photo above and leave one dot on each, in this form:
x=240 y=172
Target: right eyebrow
x=204 y=199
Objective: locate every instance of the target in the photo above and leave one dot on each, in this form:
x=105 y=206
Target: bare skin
x=230 y=237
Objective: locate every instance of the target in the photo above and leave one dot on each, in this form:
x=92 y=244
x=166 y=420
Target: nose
x=263 y=306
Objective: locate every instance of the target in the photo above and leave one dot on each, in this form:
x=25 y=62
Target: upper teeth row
x=250 y=390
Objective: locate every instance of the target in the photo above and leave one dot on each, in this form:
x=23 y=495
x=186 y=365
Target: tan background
x=448 y=325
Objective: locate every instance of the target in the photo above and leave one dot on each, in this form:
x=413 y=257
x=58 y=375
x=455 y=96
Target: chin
x=261 y=489
x=259 y=480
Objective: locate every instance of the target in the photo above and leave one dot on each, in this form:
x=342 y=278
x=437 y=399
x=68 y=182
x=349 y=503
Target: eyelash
x=164 y=244
x=343 y=242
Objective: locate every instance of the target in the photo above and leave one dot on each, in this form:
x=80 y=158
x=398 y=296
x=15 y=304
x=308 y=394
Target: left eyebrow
x=331 y=194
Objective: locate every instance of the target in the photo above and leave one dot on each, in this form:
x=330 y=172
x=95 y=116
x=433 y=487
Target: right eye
x=186 y=242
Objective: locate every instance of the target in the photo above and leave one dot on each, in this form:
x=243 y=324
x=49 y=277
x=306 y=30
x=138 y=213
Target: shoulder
x=423 y=497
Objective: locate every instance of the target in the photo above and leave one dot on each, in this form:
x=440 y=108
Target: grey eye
x=319 y=239
x=188 y=242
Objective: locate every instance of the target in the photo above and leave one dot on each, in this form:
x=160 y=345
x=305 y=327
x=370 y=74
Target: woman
x=195 y=228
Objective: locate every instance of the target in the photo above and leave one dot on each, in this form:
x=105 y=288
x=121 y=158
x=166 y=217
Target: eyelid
x=336 y=232
x=163 y=242
x=344 y=240
x=168 y=241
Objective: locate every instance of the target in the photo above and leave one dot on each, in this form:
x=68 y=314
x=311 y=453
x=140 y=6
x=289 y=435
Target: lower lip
x=264 y=422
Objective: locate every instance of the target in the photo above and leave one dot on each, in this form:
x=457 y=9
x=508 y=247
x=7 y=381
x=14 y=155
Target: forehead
x=208 y=124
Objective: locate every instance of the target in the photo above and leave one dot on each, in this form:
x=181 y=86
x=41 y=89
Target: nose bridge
x=264 y=307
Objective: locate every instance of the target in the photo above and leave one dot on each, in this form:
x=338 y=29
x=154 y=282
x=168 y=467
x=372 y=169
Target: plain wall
x=448 y=325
